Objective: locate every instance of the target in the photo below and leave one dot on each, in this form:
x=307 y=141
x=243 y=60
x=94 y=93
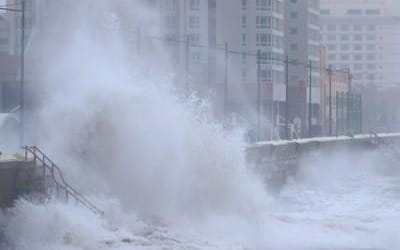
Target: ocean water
x=167 y=175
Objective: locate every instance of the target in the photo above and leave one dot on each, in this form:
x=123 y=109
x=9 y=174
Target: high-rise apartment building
x=189 y=28
x=302 y=45
x=250 y=27
x=363 y=35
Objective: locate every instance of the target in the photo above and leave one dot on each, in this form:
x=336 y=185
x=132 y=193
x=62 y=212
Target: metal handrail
x=60 y=182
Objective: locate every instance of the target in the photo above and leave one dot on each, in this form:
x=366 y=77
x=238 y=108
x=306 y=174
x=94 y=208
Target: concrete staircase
x=50 y=182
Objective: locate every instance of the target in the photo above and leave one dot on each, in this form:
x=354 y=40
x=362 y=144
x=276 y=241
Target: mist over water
x=167 y=175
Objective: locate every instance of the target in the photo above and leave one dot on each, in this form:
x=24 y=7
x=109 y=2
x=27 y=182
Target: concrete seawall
x=16 y=178
x=279 y=159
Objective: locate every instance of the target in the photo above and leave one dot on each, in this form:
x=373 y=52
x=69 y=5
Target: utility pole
x=337 y=113
x=330 y=99
x=187 y=66
x=310 y=102
x=22 y=87
x=258 y=95
x=349 y=79
x=361 y=115
x=226 y=82
x=287 y=99
x=138 y=39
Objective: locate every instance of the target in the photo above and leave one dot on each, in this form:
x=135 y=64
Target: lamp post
x=22 y=67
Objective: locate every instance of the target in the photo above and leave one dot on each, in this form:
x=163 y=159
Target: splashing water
x=167 y=175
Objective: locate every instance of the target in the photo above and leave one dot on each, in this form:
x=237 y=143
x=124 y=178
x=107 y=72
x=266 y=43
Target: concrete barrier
x=16 y=178
x=276 y=160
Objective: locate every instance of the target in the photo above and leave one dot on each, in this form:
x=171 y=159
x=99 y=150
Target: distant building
x=248 y=27
x=4 y=35
x=9 y=86
x=302 y=45
x=363 y=36
x=191 y=22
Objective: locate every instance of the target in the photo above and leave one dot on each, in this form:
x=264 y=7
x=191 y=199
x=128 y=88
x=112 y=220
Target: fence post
x=310 y=102
x=361 y=115
x=337 y=113
x=138 y=40
x=187 y=66
x=226 y=82
x=258 y=94
x=287 y=99
x=330 y=100
x=342 y=111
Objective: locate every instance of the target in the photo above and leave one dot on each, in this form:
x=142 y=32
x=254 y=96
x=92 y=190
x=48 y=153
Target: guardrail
x=41 y=160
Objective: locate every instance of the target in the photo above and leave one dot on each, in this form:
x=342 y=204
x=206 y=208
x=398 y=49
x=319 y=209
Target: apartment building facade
x=254 y=31
x=363 y=35
x=302 y=46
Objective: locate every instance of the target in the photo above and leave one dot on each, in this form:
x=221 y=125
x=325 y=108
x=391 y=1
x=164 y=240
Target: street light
x=22 y=68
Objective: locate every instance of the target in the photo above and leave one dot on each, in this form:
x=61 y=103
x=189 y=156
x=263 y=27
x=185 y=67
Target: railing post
x=34 y=156
x=57 y=190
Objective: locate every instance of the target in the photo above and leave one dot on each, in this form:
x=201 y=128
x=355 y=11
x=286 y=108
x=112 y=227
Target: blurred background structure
x=284 y=68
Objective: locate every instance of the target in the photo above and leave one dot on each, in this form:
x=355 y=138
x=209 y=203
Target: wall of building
x=363 y=35
x=302 y=36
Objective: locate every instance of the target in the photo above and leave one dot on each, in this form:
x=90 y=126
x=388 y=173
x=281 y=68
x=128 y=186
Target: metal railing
x=40 y=159
x=386 y=149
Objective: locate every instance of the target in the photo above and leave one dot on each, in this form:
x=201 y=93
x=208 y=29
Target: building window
x=194 y=21
x=244 y=39
x=357 y=27
x=294 y=31
x=196 y=56
x=244 y=73
x=371 y=37
x=264 y=22
x=264 y=4
x=244 y=58
x=244 y=4
x=294 y=46
x=357 y=47
x=170 y=5
x=331 y=57
x=294 y=14
x=354 y=12
x=344 y=57
x=264 y=40
x=344 y=37
x=331 y=38
x=375 y=12
x=325 y=12
x=266 y=75
x=194 y=4
x=332 y=47
x=344 y=47
x=344 y=27
x=357 y=37
x=371 y=46
x=194 y=38
x=358 y=57
x=244 y=21
x=371 y=57
x=331 y=27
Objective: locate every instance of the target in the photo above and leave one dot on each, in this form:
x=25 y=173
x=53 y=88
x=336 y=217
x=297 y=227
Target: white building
x=364 y=36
